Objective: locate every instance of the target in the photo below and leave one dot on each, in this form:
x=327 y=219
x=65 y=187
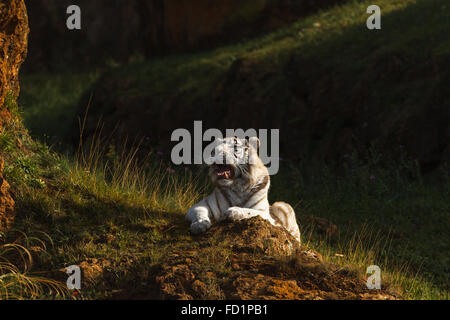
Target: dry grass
x=16 y=279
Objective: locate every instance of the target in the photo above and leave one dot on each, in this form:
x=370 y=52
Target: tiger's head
x=234 y=159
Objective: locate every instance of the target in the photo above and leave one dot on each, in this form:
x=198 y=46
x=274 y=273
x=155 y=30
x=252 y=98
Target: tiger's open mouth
x=224 y=171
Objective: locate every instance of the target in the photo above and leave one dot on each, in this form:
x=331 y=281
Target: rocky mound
x=251 y=259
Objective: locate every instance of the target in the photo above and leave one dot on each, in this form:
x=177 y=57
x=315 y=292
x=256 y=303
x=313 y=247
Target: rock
x=7 y=213
x=13 y=45
x=13 y=50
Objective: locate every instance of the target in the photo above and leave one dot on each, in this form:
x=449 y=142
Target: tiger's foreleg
x=237 y=213
x=200 y=217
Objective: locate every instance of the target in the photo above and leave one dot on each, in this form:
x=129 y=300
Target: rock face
x=6 y=202
x=13 y=50
x=13 y=45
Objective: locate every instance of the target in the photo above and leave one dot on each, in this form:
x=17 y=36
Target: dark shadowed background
x=344 y=91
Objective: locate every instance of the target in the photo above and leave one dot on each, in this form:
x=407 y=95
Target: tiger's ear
x=217 y=141
x=254 y=142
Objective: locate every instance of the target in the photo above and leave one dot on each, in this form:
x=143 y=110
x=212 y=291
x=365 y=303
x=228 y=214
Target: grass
x=386 y=213
x=195 y=73
x=83 y=202
x=399 y=216
x=17 y=281
x=129 y=212
x=50 y=102
x=132 y=216
x=334 y=40
x=386 y=77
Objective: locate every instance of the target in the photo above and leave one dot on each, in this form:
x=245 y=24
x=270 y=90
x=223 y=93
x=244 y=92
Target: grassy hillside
x=120 y=220
x=331 y=84
x=121 y=217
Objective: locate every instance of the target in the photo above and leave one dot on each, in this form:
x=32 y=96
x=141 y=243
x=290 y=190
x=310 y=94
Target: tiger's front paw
x=200 y=226
x=235 y=213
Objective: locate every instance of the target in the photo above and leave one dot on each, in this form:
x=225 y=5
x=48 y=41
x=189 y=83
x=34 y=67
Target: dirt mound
x=254 y=236
x=251 y=259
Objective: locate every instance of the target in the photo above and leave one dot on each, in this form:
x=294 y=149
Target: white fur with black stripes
x=242 y=186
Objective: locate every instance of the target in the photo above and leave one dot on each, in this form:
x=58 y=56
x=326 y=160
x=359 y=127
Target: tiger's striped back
x=241 y=190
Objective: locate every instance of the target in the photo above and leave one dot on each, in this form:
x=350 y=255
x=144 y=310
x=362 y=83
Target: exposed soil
x=91 y=269
x=248 y=259
x=13 y=47
x=259 y=261
x=7 y=213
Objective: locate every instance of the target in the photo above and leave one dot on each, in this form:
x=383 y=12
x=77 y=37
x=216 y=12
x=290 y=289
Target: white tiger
x=242 y=185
